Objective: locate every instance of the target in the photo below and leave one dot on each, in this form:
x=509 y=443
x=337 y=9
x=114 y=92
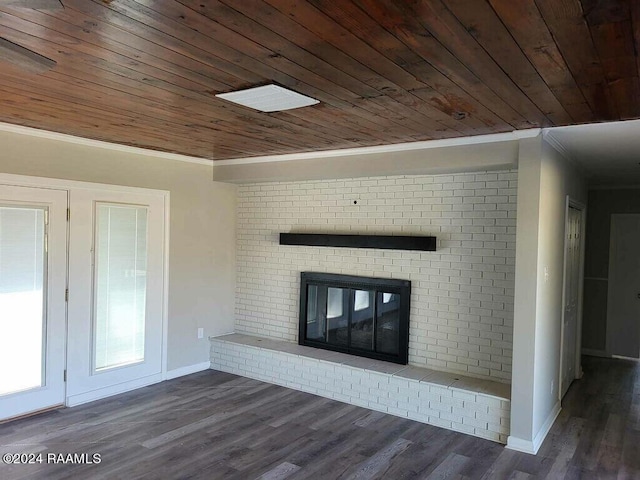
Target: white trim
x=188 y=370
x=596 y=125
x=556 y=145
x=583 y=249
x=388 y=148
x=615 y=187
x=165 y=285
x=580 y=207
x=564 y=299
x=63 y=184
x=553 y=142
x=88 y=142
x=546 y=427
x=391 y=148
x=101 y=393
x=532 y=446
x=520 y=445
x=525 y=133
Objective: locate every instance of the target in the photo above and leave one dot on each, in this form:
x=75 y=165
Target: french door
x=33 y=266
x=82 y=279
x=116 y=282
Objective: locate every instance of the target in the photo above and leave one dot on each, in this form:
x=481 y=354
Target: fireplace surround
x=364 y=316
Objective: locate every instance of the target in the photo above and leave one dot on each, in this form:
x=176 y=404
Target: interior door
x=33 y=249
x=623 y=310
x=116 y=275
x=571 y=295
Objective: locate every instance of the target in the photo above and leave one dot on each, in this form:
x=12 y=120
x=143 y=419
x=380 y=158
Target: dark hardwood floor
x=214 y=425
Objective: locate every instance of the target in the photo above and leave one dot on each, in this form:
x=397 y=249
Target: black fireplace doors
x=362 y=316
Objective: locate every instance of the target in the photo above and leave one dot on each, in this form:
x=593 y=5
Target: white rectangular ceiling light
x=268 y=98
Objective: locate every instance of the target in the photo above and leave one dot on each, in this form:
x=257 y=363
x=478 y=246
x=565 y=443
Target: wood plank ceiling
x=145 y=72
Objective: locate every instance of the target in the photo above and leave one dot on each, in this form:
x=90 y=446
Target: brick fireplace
x=462 y=294
x=460 y=335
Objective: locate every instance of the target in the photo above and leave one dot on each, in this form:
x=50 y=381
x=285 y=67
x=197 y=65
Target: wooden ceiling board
x=445 y=100
x=112 y=61
x=407 y=28
x=635 y=25
x=145 y=73
x=482 y=22
x=566 y=21
x=371 y=102
x=526 y=25
x=272 y=65
x=422 y=117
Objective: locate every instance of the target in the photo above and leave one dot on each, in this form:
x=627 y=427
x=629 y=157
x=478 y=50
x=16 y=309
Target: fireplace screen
x=363 y=316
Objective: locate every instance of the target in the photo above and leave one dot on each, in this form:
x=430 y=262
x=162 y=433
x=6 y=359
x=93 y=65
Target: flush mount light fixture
x=268 y=98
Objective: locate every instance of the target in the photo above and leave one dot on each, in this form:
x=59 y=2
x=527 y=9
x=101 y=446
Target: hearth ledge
x=464 y=404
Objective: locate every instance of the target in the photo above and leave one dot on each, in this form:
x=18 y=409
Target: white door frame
x=582 y=208
x=69 y=185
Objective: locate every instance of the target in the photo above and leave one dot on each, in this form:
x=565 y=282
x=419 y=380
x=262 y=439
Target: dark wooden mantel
x=388 y=242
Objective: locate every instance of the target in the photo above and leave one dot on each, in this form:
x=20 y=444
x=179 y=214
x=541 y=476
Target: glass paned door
x=32 y=306
x=116 y=292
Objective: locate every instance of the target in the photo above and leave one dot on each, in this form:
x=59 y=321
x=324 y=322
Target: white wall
x=545 y=179
x=462 y=294
x=202 y=228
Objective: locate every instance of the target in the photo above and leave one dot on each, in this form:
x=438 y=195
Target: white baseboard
x=546 y=427
x=188 y=370
x=532 y=446
x=79 y=399
x=595 y=353
x=520 y=445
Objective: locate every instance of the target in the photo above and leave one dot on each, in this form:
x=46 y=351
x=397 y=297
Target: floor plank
x=214 y=425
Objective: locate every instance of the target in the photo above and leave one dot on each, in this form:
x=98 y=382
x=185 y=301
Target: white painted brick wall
x=448 y=407
x=462 y=294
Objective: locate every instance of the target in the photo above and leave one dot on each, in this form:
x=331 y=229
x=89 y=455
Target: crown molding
x=87 y=142
x=526 y=133
x=611 y=186
x=391 y=148
x=553 y=142
x=548 y=136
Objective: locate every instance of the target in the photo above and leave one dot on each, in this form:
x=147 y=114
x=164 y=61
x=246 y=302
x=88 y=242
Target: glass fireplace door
x=361 y=321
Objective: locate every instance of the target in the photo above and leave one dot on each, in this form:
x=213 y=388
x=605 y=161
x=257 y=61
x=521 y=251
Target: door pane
x=388 y=323
x=316 y=321
x=22 y=322
x=120 y=284
x=362 y=320
x=337 y=316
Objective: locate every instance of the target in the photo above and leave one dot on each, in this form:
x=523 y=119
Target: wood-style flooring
x=214 y=425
